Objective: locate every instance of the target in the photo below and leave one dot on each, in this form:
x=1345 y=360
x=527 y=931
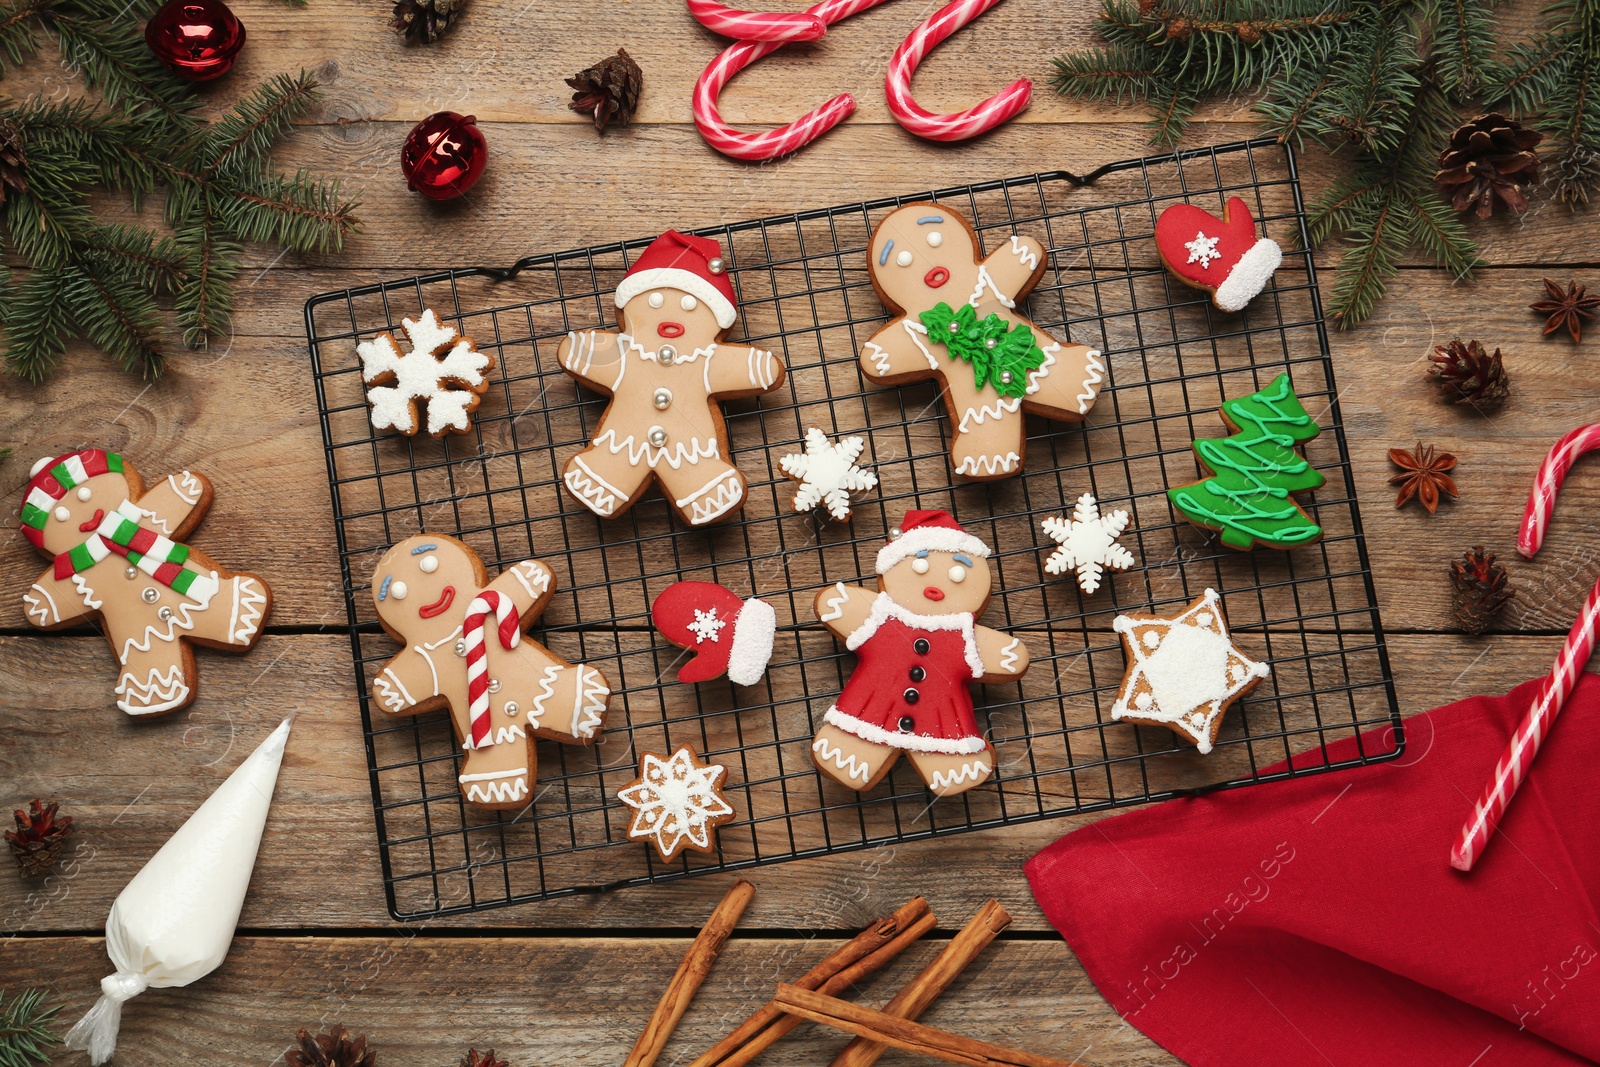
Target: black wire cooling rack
x=804 y=292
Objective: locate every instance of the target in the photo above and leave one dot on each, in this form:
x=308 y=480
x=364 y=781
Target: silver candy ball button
x=461 y=648
x=164 y=613
x=716 y=266
x=666 y=354
x=494 y=685
x=131 y=573
x=657 y=436
x=662 y=399
x=150 y=595
x=511 y=707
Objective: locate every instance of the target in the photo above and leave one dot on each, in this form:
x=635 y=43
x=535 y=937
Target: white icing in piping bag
x=174 y=922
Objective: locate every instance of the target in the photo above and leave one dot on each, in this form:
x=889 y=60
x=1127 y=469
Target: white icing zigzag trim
x=186 y=485
x=833 y=607
x=501 y=736
x=85 y=591
x=879 y=356
x=1042 y=371
x=182 y=619
x=589 y=708
x=674 y=455
x=917 y=332
x=547 y=687
x=1091 y=383
x=1023 y=253
x=987 y=282
x=592 y=490
x=160 y=691
x=850 y=764
x=156 y=521
x=40 y=612
x=877 y=735
x=977 y=770
x=580 y=351
x=248 y=602
x=760 y=368
x=487 y=789
x=977 y=416
x=709 y=505
x=391 y=693
x=532 y=576
x=987 y=466
x=1008 y=655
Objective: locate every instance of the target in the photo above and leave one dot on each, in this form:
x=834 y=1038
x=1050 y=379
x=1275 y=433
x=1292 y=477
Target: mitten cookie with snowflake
x=443 y=372
x=1223 y=257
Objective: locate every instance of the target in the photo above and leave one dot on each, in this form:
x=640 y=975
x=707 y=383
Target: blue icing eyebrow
x=883 y=257
x=963 y=560
x=924 y=220
x=383 y=590
x=922 y=553
x=420 y=549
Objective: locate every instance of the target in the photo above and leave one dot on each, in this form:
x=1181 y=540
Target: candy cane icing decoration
x=963 y=124
x=757 y=25
x=1519 y=755
x=768 y=144
x=487 y=603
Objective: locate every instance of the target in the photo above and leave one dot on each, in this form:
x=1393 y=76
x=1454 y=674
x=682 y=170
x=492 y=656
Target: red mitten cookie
x=918 y=649
x=1222 y=256
x=728 y=635
x=119 y=559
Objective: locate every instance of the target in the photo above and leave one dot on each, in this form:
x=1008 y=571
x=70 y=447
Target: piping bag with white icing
x=174 y=922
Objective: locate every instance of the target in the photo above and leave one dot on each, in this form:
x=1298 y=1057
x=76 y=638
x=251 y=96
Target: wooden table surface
x=573 y=980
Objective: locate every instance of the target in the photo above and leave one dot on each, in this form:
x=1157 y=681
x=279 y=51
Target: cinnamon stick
x=690 y=975
x=873 y=939
x=935 y=978
x=903 y=1033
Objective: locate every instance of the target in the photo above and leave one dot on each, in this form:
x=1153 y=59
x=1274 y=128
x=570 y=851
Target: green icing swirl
x=1001 y=356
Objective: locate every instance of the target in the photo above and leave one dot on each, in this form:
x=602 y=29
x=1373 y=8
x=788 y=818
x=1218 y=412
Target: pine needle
x=25 y=1033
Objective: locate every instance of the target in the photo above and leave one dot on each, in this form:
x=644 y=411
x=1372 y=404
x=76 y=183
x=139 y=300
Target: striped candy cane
x=489 y=602
x=1519 y=755
x=963 y=124
x=768 y=144
x=757 y=25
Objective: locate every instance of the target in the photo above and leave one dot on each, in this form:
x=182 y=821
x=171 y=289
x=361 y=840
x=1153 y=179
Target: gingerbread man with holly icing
x=665 y=370
x=956 y=319
x=465 y=652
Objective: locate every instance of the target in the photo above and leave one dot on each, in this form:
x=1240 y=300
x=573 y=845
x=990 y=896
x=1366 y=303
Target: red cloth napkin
x=1318 y=922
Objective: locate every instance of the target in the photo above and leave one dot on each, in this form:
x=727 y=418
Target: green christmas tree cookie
x=1246 y=498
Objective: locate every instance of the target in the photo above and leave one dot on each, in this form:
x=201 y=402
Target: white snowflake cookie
x=1088 y=543
x=828 y=473
x=677 y=803
x=443 y=371
x=1184 y=672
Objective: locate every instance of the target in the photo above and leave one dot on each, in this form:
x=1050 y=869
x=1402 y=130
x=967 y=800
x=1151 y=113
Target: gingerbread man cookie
x=119 y=558
x=665 y=370
x=465 y=651
x=918 y=648
x=956 y=319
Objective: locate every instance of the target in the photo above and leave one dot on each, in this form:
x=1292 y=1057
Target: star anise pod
x=39 y=837
x=608 y=90
x=1567 y=309
x=334 y=1049
x=1482 y=590
x=1423 y=474
x=474 y=1058
x=1489 y=160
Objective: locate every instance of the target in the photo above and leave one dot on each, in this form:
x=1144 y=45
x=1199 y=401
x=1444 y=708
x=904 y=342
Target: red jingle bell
x=444 y=155
x=195 y=39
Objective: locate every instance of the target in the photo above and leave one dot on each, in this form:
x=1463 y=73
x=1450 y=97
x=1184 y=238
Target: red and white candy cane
x=487 y=603
x=1530 y=733
x=963 y=124
x=768 y=144
x=757 y=25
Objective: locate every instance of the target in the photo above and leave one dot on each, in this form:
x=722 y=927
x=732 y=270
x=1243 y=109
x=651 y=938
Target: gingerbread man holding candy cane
x=665 y=370
x=953 y=309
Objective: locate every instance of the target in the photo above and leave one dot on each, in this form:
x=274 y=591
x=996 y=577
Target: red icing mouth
x=935 y=277
x=428 y=611
x=670 y=329
x=99 y=514
x=934 y=593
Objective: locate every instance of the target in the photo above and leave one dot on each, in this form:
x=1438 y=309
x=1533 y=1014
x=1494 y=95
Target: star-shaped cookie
x=1183 y=672
x=677 y=802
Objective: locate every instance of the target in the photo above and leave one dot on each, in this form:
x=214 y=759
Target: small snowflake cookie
x=1184 y=672
x=828 y=473
x=726 y=634
x=1088 y=543
x=443 y=371
x=677 y=803
x=1223 y=257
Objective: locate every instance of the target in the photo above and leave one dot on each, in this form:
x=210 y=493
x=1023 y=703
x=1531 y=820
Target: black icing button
x=921 y=645
x=918 y=674
x=911 y=696
x=907 y=724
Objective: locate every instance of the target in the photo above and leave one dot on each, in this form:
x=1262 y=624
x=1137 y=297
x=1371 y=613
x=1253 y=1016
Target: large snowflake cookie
x=1184 y=672
x=1223 y=257
x=726 y=634
x=465 y=651
x=677 y=802
x=957 y=320
x=918 y=649
x=828 y=473
x=119 y=559
x=664 y=370
x=1087 y=543
x=443 y=371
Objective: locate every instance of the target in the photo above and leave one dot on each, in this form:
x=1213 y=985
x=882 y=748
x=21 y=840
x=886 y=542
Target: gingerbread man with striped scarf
x=465 y=652
x=119 y=558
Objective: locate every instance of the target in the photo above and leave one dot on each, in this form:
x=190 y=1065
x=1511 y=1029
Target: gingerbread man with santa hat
x=664 y=370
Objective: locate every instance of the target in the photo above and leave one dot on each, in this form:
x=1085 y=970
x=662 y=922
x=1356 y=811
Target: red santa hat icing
x=728 y=635
x=931 y=531
x=681 y=261
x=1221 y=255
x=50 y=479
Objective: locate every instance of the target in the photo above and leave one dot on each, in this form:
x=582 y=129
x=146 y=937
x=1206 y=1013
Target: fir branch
x=300 y=213
x=19 y=39
x=120 y=66
x=157 y=263
x=1461 y=44
x=205 y=302
x=37 y=325
x=116 y=314
x=1121 y=72
x=1555 y=80
x=25 y=1033
x=259 y=121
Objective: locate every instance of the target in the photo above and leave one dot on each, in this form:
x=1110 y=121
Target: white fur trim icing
x=877 y=735
x=677 y=278
x=932 y=538
x=752 y=642
x=1250 y=275
x=884 y=608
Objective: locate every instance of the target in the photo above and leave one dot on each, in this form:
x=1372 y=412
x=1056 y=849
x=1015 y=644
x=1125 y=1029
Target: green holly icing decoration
x=1247 y=497
x=1001 y=356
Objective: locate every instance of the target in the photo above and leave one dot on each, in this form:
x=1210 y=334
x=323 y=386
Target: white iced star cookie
x=677 y=802
x=1088 y=543
x=828 y=474
x=1184 y=672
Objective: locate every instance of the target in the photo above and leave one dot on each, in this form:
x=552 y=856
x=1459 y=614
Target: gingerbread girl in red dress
x=919 y=648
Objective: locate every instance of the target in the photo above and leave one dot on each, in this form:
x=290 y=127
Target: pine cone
x=39 y=838
x=609 y=89
x=13 y=160
x=334 y=1049
x=426 y=21
x=1490 y=158
x=1482 y=590
x=1466 y=374
x=474 y=1058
